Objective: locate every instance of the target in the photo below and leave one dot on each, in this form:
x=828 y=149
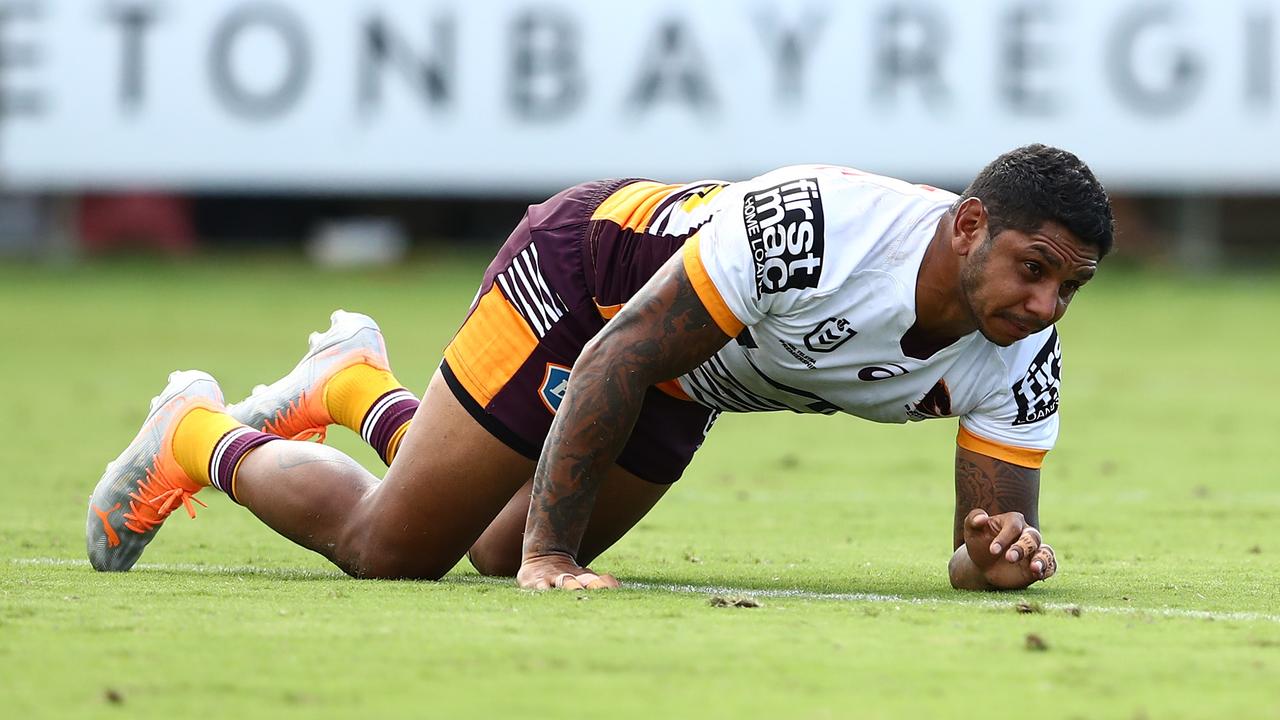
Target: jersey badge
x=831 y=334
x=785 y=230
x=554 y=383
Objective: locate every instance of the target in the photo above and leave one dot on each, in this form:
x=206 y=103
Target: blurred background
x=355 y=131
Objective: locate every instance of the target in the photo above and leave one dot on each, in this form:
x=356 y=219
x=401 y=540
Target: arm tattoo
x=995 y=486
x=662 y=333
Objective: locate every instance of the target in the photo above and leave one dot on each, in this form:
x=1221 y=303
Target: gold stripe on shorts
x=632 y=205
x=491 y=346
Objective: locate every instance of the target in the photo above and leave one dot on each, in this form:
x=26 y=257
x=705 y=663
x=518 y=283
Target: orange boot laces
x=156 y=497
x=289 y=418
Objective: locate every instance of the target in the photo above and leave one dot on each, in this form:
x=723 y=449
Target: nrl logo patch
x=554 y=384
x=831 y=334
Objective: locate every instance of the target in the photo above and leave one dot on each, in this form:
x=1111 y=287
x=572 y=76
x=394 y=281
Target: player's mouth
x=1020 y=328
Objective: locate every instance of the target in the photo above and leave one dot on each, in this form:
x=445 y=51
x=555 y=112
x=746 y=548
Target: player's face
x=1018 y=283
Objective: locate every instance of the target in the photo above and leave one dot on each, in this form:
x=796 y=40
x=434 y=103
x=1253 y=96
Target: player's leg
x=667 y=434
x=417 y=523
x=449 y=480
x=623 y=499
x=472 y=442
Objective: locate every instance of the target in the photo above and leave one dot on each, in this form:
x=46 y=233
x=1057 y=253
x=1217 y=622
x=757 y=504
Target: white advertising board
x=492 y=97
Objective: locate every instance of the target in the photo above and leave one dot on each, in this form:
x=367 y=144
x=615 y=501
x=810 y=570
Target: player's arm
x=996 y=537
x=663 y=332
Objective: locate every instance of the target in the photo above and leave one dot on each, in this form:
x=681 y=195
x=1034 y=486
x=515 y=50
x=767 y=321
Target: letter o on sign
x=230 y=89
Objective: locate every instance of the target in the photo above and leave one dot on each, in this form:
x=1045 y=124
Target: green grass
x=1162 y=500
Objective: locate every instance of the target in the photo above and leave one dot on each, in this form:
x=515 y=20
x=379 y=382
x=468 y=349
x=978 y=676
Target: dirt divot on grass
x=737 y=602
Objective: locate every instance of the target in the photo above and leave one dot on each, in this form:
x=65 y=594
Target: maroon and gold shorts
x=566 y=269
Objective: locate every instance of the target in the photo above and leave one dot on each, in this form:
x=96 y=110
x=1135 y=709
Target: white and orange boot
x=344 y=378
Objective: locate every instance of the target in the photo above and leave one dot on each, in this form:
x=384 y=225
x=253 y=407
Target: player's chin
x=1000 y=336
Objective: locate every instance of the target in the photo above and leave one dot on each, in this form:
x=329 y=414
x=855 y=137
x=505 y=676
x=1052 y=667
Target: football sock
x=209 y=446
x=372 y=403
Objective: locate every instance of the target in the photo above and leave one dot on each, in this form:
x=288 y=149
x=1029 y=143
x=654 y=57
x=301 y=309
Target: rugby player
x=617 y=321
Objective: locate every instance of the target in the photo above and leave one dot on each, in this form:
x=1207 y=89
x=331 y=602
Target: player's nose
x=1042 y=304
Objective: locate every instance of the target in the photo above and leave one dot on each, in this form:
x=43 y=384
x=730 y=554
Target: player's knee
x=384 y=567
x=373 y=557
x=488 y=558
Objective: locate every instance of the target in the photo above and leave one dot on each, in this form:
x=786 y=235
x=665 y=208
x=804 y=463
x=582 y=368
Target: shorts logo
x=785 y=230
x=1037 y=392
x=554 y=384
x=831 y=334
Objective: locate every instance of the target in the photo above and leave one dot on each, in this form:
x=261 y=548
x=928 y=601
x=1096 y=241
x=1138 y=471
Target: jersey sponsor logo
x=785 y=230
x=935 y=404
x=554 y=384
x=831 y=334
x=871 y=373
x=1037 y=391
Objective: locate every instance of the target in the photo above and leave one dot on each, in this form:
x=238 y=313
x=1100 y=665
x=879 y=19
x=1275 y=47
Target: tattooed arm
x=661 y=333
x=996 y=537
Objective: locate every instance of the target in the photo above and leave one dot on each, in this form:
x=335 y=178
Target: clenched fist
x=1004 y=550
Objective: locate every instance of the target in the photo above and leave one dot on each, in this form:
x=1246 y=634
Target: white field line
x=976 y=602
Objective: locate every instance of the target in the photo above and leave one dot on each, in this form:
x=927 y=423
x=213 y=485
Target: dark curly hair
x=1024 y=188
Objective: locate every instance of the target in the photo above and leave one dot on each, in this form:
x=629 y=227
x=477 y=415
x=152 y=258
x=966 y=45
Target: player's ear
x=968 y=225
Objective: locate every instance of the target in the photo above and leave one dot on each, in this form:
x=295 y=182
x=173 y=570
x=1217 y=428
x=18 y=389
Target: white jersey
x=813 y=270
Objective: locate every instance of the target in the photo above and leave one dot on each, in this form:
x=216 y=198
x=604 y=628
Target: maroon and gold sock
x=209 y=446
x=373 y=403
x=386 y=422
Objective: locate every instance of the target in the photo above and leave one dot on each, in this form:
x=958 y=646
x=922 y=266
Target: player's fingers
x=541 y=584
x=567 y=581
x=1044 y=564
x=1011 y=526
x=976 y=519
x=1026 y=545
x=601 y=582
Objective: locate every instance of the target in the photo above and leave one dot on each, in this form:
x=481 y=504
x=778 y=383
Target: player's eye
x=1033 y=268
x=1069 y=288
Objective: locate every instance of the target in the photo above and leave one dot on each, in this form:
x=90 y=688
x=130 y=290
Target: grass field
x=1162 y=499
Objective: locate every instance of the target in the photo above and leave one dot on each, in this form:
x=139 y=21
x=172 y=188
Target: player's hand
x=543 y=572
x=1008 y=551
